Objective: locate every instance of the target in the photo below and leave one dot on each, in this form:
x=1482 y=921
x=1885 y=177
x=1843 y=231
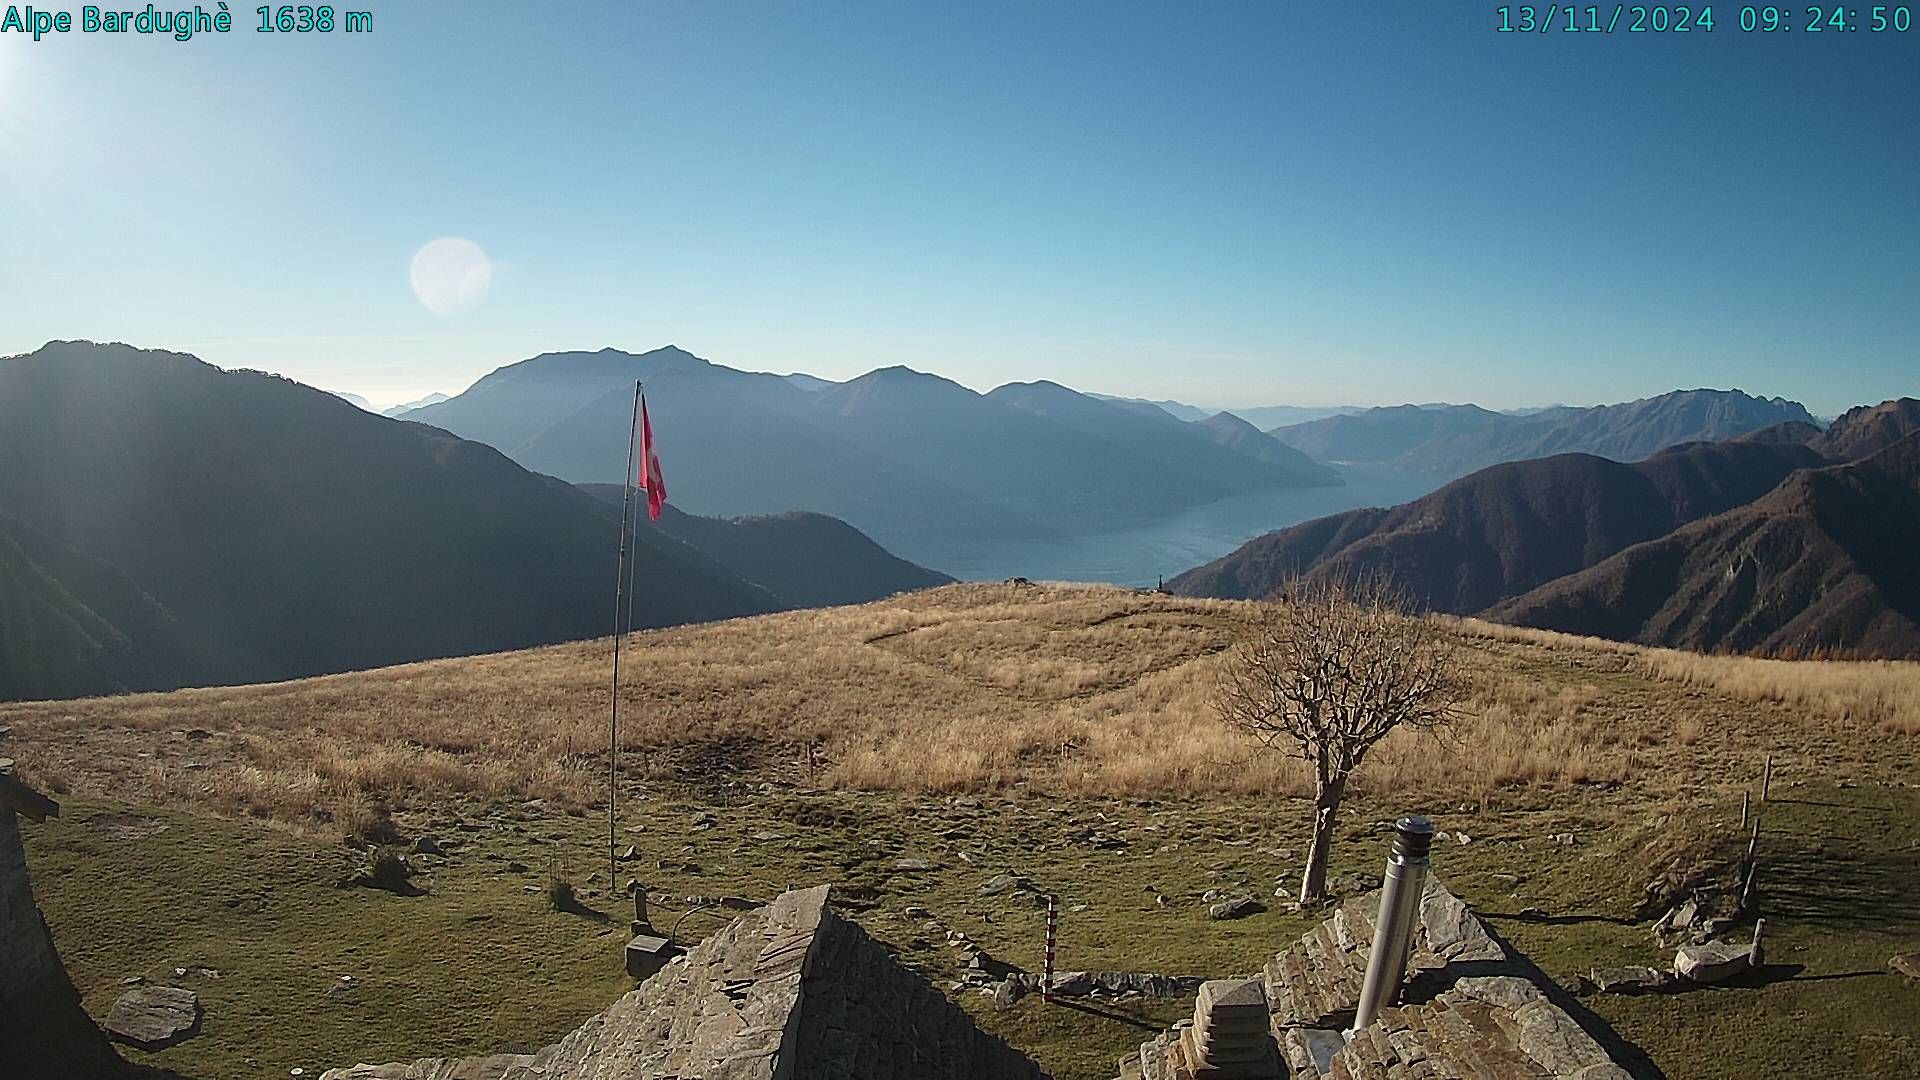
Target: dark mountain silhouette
x=287 y=533
x=1508 y=528
x=1868 y=429
x=900 y=454
x=71 y=624
x=1455 y=439
x=1795 y=432
x=1824 y=564
x=806 y=559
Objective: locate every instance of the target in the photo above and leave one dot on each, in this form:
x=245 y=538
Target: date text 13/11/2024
x=1681 y=19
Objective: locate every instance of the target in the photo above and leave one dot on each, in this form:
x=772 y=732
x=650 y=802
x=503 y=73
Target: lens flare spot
x=451 y=275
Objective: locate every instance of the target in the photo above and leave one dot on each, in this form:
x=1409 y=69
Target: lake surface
x=1141 y=554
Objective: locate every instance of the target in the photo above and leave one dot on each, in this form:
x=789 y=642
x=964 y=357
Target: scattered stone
x=153 y=1017
x=1009 y=993
x=913 y=866
x=1353 y=884
x=1576 y=984
x=427 y=845
x=1566 y=838
x=1907 y=964
x=516 y=867
x=1716 y=961
x=768 y=837
x=1462 y=839
x=914 y=911
x=1005 y=883
x=1212 y=896
x=1073 y=983
x=1630 y=980
x=1238 y=907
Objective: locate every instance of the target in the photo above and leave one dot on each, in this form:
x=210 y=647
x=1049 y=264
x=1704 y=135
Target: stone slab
x=152 y=1017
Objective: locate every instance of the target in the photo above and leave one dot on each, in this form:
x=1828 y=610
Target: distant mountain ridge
x=1503 y=530
x=234 y=526
x=1783 y=540
x=1825 y=564
x=1457 y=439
x=897 y=453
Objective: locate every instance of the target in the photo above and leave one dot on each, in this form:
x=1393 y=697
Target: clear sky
x=1229 y=203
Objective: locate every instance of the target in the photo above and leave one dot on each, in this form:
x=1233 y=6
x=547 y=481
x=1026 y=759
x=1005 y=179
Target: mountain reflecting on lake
x=1142 y=554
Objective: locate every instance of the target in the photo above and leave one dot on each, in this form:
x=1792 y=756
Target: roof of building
x=791 y=990
x=1471 y=1007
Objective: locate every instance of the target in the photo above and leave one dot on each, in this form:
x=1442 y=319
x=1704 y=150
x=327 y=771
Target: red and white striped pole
x=1053 y=932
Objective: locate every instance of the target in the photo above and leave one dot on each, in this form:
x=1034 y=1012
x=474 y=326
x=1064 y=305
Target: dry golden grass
x=1077 y=690
x=1846 y=693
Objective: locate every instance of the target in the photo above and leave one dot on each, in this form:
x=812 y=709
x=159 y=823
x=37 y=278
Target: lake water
x=1139 y=555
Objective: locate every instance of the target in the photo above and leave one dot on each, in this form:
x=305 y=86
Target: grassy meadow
x=1060 y=732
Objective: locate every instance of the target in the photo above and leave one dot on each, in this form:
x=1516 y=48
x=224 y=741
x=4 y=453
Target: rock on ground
x=1630 y=980
x=1236 y=908
x=1716 y=961
x=1907 y=964
x=151 y=1017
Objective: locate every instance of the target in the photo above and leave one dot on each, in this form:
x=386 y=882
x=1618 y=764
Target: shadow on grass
x=573 y=905
x=1838 y=887
x=1108 y=1014
x=1541 y=918
x=149 y=1072
x=1627 y=1055
x=1867 y=807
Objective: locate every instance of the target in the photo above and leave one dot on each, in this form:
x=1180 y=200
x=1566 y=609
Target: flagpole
x=613 y=720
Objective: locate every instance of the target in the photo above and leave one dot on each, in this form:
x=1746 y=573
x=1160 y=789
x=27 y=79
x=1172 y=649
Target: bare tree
x=1327 y=669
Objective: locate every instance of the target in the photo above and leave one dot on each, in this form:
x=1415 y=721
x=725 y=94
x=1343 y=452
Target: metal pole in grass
x=1053 y=931
x=613 y=703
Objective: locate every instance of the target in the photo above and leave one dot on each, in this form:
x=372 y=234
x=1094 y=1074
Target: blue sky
x=1230 y=203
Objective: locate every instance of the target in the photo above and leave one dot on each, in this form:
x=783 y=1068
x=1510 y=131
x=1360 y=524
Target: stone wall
x=44 y=1032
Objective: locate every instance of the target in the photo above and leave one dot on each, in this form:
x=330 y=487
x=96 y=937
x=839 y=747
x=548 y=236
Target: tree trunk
x=1326 y=804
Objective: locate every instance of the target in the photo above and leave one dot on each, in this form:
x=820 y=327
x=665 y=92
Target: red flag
x=651 y=480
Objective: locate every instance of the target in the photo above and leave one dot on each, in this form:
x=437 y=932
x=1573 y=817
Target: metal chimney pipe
x=1406 y=880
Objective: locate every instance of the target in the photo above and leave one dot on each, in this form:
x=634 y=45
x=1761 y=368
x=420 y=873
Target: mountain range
x=168 y=523
x=1784 y=540
x=897 y=453
x=1452 y=440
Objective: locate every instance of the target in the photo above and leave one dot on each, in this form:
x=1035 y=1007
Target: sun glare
x=451 y=275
